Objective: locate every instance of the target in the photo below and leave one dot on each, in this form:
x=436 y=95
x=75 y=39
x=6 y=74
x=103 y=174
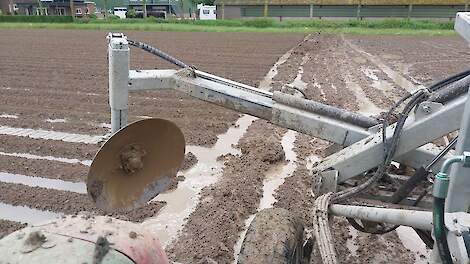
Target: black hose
x=440 y=230
x=158 y=53
x=389 y=149
x=438 y=85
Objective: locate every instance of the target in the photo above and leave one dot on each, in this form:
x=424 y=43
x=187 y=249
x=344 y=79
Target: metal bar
x=316 y=125
x=458 y=199
x=452 y=91
x=251 y=101
x=368 y=153
x=416 y=219
x=228 y=82
x=118 y=59
x=325 y=110
x=230 y=97
x=152 y=79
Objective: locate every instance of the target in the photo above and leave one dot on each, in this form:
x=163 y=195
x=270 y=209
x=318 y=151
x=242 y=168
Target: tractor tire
x=274 y=236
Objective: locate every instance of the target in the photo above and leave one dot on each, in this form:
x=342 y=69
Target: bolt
x=427 y=109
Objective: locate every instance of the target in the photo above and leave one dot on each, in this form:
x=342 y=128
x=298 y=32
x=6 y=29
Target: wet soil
x=44 y=168
x=66 y=202
x=68 y=92
x=333 y=60
x=212 y=229
x=7 y=227
x=70 y=83
x=425 y=59
x=70 y=76
x=189 y=160
x=13 y=144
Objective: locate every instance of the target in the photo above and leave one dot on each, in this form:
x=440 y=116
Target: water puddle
x=411 y=241
x=56 y=184
x=320 y=89
x=274 y=178
x=57 y=120
x=50 y=158
x=8 y=116
x=182 y=201
x=366 y=106
x=104 y=125
x=49 y=134
x=311 y=161
x=265 y=84
x=382 y=85
x=25 y=214
x=396 y=77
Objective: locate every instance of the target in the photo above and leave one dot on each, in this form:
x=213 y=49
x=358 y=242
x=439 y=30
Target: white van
x=207 y=12
x=120 y=12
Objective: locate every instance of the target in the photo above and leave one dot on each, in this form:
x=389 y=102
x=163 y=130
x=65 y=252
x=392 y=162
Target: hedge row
x=37 y=19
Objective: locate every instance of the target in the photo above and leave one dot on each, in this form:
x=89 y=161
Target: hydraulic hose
x=441 y=186
x=440 y=230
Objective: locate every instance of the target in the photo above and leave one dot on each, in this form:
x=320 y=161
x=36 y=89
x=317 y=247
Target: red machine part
x=91 y=239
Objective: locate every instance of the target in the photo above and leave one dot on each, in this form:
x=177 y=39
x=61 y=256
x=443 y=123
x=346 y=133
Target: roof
x=341 y=2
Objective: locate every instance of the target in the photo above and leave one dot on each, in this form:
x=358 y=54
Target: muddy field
x=56 y=81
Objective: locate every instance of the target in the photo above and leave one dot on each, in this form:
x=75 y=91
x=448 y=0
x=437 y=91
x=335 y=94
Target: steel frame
x=239 y=97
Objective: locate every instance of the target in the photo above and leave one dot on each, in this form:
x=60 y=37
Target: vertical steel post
x=118 y=59
x=458 y=198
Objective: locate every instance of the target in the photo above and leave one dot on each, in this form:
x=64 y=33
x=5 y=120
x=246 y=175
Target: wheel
x=274 y=236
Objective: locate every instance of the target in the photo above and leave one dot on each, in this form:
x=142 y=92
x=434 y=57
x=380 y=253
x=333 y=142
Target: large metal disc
x=136 y=164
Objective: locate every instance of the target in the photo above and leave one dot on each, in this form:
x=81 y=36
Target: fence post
x=311 y=10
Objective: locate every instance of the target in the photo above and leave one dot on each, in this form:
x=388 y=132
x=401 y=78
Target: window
x=41 y=11
x=78 y=11
x=213 y=12
x=60 y=11
x=205 y=12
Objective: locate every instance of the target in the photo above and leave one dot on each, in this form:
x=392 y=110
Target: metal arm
x=313 y=118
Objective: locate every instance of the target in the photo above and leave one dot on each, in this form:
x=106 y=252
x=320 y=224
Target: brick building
x=47 y=7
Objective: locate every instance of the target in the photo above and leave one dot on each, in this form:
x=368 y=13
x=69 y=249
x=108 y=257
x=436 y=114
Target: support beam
x=259 y=103
x=368 y=153
x=118 y=59
x=417 y=219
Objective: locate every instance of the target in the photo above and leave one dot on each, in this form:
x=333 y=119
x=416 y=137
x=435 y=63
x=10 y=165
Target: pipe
x=441 y=185
x=325 y=110
x=416 y=219
x=440 y=231
x=452 y=91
